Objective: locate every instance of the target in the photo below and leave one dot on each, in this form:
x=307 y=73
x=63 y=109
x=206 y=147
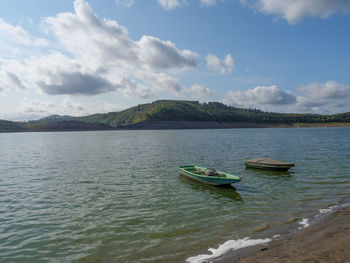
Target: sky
x=95 y=56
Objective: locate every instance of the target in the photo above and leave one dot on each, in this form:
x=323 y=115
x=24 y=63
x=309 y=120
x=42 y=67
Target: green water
x=116 y=196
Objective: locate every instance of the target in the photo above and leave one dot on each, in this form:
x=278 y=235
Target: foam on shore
x=232 y=245
x=226 y=247
x=331 y=208
x=305 y=222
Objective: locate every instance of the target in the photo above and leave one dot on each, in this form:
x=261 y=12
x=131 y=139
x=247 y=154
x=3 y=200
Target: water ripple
x=117 y=196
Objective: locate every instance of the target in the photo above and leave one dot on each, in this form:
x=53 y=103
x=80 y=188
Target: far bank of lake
x=164 y=125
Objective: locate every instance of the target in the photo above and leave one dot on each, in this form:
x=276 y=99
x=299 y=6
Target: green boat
x=208 y=175
x=268 y=164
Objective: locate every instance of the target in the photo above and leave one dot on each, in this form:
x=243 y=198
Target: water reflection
x=270 y=173
x=227 y=191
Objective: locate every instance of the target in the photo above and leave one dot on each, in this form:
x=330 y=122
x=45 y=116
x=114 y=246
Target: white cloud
x=14 y=80
x=98 y=56
x=77 y=83
x=56 y=74
x=125 y=3
x=195 y=92
x=208 y=2
x=322 y=97
x=291 y=10
x=223 y=66
x=160 y=81
x=32 y=109
x=132 y=90
x=173 y=4
x=169 y=4
x=200 y=91
x=10 y=75
x=68 y=103
x=68 y=106
x=260 y=96
x=157 y=54
x=103 y=107
x=295 y=10
x=31 y=105
x=14 y=32
x=19 y=35
x=16 y=43
x=100 y=41
x=9 y=80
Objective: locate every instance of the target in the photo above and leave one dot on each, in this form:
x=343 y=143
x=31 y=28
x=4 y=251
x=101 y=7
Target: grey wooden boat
x=268 y=164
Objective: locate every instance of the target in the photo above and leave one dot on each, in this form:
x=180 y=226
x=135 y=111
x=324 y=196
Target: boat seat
x=199 y=171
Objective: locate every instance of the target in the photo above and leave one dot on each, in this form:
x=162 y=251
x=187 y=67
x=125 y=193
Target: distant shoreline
x=177 y=125
x=165 y=125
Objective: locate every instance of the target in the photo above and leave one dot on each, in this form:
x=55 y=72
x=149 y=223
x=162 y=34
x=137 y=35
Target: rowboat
x=268 y=164
x=208 y=175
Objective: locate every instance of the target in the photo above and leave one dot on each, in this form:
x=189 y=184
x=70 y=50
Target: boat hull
x=268 y=167
x=268 y=164
x=223 y=180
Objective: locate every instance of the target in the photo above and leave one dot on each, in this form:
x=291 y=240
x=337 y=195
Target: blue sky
x=82 y=57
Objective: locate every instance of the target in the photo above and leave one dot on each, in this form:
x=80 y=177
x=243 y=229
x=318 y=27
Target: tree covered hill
x=67 y=125
x=193 y=111
x=167 y=111
x=64 y=125
x=8 y=126
x=171 y=110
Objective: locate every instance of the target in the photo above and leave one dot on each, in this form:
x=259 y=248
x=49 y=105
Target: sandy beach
x=325 y=241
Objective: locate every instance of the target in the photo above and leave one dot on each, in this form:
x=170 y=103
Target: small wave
x=291 y=220
x=226 y=247
x=232 y=245
x=326 y=210
x=331 y=209
x=86 y=182
x=305 y=222
x=260 y=228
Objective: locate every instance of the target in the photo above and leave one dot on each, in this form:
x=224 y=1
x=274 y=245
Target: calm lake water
x=116 y=196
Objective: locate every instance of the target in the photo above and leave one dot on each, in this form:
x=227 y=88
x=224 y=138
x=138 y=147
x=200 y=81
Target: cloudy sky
x=82 y=57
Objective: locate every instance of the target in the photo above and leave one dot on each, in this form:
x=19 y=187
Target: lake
x=116 y=196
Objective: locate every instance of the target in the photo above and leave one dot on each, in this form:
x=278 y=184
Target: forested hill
x=169 y=112
x=193 y=111
x=8 y=126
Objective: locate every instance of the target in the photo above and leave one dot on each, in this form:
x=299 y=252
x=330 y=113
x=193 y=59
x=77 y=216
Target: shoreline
x=325 y=240
x=174 y=125
x=171 y=125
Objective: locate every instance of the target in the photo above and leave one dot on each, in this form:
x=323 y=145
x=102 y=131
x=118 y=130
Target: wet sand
x=325 y=241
